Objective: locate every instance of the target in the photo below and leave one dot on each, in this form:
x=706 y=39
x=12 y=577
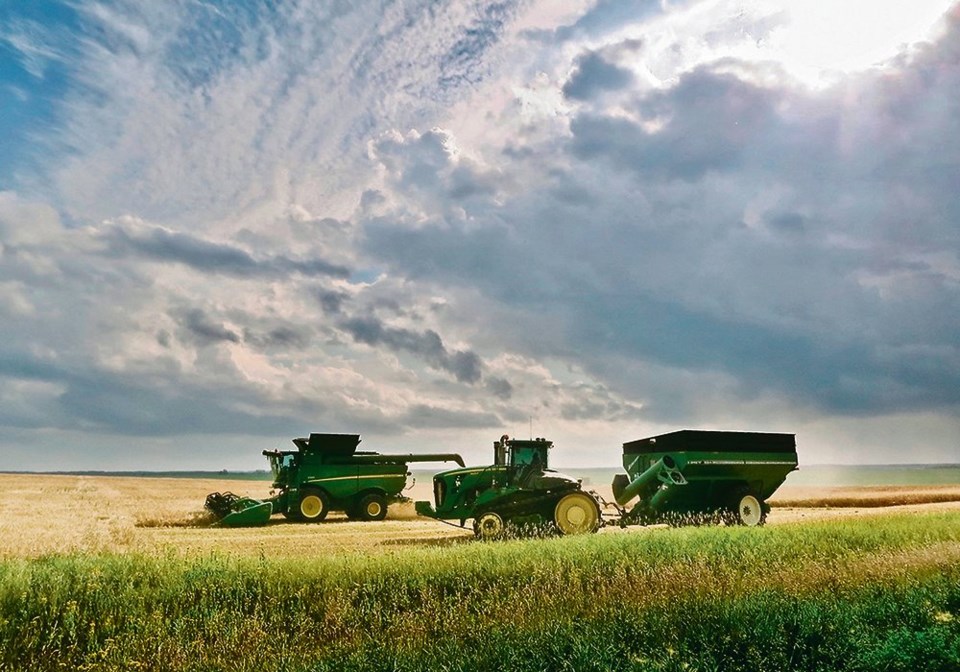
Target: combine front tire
x=372 y=507
x=314 y=505
x=577 y=513
x=488 y=526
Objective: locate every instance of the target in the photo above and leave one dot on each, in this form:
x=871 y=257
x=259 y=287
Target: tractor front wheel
x=577 y=513
x=488 y=526
x=372 y=507
x=314 y=505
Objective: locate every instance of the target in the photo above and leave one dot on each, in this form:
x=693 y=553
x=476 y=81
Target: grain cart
x=325 y=473
x=518 y=489
x=692 y=475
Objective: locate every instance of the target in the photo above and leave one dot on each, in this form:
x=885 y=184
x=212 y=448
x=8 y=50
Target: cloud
x=500 y=387
x=206 y=330
x=422 y=416
x=30 y=42
x=160 y=244
x=465 y=365
x=593 y=75
x=708 y=122
x=606 y=16
x=730 y=223
x=399 y=217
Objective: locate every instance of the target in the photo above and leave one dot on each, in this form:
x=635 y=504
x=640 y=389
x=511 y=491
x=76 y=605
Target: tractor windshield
x=524 y=453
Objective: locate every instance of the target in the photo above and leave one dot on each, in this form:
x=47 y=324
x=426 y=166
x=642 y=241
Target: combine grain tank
x=325 y=473
x=693 y=475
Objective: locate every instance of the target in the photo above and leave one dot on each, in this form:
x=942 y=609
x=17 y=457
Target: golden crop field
x=58 y=514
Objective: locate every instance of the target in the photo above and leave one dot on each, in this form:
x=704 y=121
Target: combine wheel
x=372 y=507
x=488 y=526
x=577 y=513
x=314 y=505
x=749 y=511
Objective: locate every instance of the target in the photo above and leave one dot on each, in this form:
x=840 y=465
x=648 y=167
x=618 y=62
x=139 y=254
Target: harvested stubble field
x=107 y=573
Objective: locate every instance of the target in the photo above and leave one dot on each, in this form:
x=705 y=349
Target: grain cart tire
x=372 y=507
x=314 y=505
x=749 y=511
x=488 y=526
x=577 y=513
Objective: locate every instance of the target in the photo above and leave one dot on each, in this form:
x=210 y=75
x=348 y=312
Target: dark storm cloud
x=330 y=301
x=278 y=338
x=125 y=403
x=465 y=365
x=593 y=75
x=777 y=237
x=500 y=387
x=204 y=329
x=262 y=333
x=162 y=245
x=710 y=122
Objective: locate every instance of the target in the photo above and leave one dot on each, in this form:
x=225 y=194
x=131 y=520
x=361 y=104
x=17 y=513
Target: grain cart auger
x=325 y=473
x=695 y=476
x=518 y=489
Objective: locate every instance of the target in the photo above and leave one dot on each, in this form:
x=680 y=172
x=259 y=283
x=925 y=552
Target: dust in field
x=47 y=514
x=402 y=511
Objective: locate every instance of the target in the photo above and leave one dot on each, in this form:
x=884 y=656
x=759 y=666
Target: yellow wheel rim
x=489 y=526
x=576 y=514
x=374 y=509
x=311 y=506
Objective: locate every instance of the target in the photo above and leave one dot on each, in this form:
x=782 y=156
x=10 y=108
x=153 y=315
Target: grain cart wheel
x=488 y=526
x=314 y=505
x=372 y=507
x=749 y=511
x=577 y=513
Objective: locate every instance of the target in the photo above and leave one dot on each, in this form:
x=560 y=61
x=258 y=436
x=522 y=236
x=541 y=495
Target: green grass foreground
x=873 y=594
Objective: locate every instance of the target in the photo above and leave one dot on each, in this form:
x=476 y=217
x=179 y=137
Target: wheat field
x=58 y=514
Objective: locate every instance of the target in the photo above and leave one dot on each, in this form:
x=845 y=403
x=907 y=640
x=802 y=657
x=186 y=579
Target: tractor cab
x=520 y=454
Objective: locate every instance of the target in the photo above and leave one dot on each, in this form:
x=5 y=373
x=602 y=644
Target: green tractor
x=517 y=490
x=325 y=473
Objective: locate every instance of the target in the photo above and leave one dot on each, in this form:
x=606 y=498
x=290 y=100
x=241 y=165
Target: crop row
x=882 y=593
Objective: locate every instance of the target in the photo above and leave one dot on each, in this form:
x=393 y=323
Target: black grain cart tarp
x=714 y=441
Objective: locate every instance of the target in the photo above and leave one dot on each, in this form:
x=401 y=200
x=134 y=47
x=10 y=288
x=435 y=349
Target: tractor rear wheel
x=372 y=507
x=314 y=505
x=577 y=513
x=488 y=526
x=749 y=511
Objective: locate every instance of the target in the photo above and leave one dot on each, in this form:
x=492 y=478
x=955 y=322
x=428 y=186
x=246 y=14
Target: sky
x=224 y=225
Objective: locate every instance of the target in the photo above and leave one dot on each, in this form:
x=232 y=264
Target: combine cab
x=694 y=475
x=325 y=473
x=518 y=489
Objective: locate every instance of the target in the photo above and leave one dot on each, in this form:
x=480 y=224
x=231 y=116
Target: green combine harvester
x=325 y=473
x=684 y=476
